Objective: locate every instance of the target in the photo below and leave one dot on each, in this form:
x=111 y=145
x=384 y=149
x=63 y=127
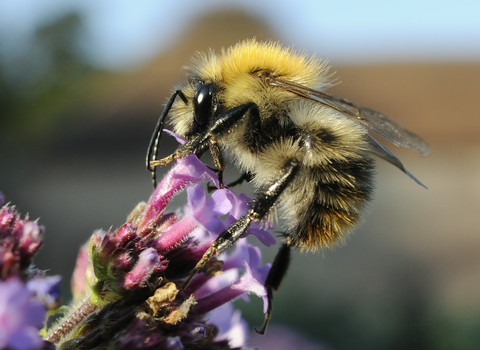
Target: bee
x=308 y=154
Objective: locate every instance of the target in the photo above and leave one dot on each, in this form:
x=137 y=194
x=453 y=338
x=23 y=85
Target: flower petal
x=143 y=269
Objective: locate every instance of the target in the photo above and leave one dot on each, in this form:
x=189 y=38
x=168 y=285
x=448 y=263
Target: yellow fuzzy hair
x=249 y=55
x=233 y=69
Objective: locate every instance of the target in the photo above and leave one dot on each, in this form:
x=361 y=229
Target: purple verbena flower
x=131 y=286
x=21 y=316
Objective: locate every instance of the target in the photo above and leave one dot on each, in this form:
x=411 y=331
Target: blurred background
x=82 y=84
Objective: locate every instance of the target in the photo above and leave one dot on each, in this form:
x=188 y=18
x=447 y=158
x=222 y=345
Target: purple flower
x=282 y=338
x=231 y=326
x=25 y=292
x=132 y=282
x=147 y=263
x=207 y=212
x=20 y=239
x=251 y=282
x=45 y=290
x=240 y=207
x=21 y=317
x=83 y=275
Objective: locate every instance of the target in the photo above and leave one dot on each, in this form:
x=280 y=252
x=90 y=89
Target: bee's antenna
x=152 y=151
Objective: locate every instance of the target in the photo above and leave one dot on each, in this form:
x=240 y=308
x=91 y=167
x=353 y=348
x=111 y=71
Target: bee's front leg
x=207 y=140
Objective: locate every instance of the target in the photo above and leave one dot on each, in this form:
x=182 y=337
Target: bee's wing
x=367 y=117
x=380 y=151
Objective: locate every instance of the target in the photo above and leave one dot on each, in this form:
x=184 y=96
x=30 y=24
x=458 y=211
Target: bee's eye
x=202 y=103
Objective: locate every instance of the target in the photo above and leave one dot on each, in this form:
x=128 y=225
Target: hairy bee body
x=307 y=153
x=335 y=176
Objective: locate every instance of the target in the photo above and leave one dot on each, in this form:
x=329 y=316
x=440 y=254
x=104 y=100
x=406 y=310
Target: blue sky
x=120 y=33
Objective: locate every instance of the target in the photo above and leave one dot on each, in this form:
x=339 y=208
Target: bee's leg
x=152 y=151
x=259 y=209
x=203 y=140
x=244 y=177
x=251 y=138
x=218 y=160
x=275 y=276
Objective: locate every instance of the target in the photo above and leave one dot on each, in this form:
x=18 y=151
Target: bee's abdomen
x=330 y=203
